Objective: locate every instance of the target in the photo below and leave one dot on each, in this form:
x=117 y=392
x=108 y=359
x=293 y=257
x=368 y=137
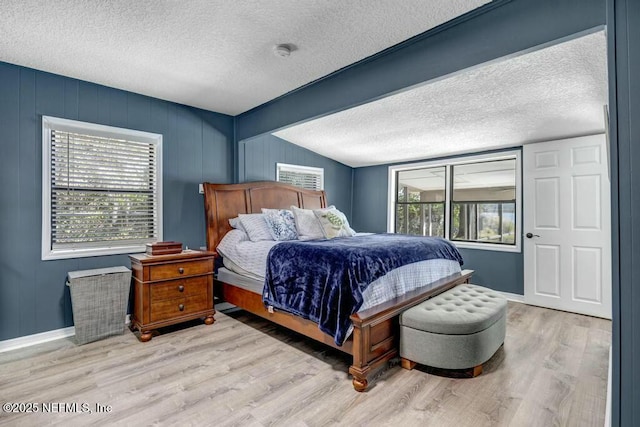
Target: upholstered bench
x=459 y=329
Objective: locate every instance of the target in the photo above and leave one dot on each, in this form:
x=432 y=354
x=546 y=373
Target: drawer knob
x=181 y=270
x=181 y=307
x=181 y=288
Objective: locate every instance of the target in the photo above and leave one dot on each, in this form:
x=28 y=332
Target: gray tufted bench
x=458 y=329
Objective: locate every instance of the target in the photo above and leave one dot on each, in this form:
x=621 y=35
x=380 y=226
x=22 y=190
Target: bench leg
x=407 y=364
x=451 y=373
x=476 y=370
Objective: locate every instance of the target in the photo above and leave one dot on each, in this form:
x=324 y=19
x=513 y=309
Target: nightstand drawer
x=184 y=288
x=180 y=269
x=171 y=308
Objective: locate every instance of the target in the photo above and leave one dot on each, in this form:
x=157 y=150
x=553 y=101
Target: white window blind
x=301 y=176
x=104 y=189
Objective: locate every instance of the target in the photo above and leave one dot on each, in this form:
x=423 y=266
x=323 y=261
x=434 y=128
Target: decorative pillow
x=333 y=223
x=255 y=226
x=281 y=224
x=307 y=224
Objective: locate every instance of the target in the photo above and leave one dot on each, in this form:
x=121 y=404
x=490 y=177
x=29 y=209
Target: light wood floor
x=244 y=371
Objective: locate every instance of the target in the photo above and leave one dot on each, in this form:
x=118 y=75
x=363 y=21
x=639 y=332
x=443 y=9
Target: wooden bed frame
x=375 y=335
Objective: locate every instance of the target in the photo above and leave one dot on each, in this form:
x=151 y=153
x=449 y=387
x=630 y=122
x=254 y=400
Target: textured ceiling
x=552 y=93
x=213 y=54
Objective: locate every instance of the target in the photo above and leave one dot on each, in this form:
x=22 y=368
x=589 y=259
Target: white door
x=567 y=225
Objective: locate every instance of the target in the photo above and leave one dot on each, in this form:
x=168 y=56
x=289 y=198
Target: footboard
x=376 y=330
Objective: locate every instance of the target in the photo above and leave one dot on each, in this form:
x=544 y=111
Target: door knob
x=530 y=235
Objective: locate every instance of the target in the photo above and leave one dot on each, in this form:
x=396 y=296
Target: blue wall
x=197 y=147
x=258 y=157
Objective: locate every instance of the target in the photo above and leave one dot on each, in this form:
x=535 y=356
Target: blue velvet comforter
x=323 y=280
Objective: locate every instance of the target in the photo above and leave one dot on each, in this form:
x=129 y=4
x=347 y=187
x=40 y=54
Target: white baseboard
x=43 y=337
x=512 y=297
x=29 y=340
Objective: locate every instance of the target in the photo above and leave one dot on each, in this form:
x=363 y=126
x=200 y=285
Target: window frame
x=448 y=163
x=50 y=124
x=301 y=169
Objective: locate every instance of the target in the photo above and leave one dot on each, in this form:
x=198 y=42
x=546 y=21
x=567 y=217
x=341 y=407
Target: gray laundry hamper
x=99 y=300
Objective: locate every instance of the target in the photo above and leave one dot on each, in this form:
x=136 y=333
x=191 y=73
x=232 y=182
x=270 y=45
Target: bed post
x=375 y=342
x=359 y=370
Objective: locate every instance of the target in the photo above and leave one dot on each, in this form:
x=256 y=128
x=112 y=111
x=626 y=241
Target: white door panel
x=567 y=259
x=547 y=210
x=587 y=268
x=547 y=270
x=586 y=195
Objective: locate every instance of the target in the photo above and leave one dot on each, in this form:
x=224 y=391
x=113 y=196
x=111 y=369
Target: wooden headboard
x=224 y=201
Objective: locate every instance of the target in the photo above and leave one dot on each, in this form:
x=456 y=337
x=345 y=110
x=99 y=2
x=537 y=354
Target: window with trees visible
x=473 y=201
x=102 y=189
x=420 y=204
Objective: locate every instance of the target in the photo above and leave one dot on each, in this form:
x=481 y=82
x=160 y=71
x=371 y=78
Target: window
x=474 y=201
x=301 y=176
x=102 y=189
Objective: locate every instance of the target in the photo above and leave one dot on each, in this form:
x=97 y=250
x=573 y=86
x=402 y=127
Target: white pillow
x=307 y=224
x=333 y=223
x=255 y=226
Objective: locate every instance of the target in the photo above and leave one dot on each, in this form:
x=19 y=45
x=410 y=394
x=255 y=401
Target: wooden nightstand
x=170 y=289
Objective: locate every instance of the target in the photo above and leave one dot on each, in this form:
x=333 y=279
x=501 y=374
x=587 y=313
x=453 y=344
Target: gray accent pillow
x=235 y=223
x=307 y=224
x=255 y=226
